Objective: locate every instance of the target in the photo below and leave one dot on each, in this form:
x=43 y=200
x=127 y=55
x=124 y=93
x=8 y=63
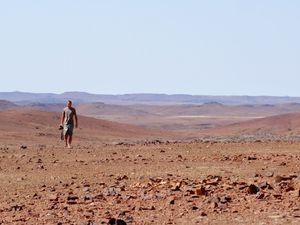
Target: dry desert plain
x=144 y=175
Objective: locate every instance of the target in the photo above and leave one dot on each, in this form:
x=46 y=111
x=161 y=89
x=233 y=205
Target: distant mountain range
x=83 y=97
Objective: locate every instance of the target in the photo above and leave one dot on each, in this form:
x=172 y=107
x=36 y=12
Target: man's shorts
x=68 y=129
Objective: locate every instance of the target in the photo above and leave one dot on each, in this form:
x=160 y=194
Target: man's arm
x=76 y=119
x=62 y=118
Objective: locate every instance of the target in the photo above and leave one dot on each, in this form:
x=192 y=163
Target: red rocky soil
x=162 y=183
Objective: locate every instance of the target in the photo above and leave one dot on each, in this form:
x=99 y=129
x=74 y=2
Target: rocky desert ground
x=127 y=174
x=151 y=183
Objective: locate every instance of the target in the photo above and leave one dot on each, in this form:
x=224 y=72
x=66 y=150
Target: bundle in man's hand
x=62 y=132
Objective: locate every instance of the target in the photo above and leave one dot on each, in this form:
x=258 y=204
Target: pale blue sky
x=158 y=46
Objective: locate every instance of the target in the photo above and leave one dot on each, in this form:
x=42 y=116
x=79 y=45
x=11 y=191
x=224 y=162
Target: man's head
x=69 y=103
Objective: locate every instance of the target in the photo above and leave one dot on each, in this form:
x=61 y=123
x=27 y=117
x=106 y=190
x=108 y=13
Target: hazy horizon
x=93 y=93
x=231 y=48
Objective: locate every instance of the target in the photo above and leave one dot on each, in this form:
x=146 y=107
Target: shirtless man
x=67 y=121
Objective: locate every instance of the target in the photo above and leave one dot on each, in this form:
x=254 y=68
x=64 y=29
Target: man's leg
x=69 y=141
x=66 y=140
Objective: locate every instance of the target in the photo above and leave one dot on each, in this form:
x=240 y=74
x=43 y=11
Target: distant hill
x=31 y=124
x=25 y=98
x=217 y=109
x=4 y=105
x=98 y=109
x=286 y=124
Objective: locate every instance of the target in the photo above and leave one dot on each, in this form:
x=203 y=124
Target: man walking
x=67 y=122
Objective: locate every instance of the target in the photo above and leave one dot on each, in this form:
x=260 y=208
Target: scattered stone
x=114 y=221
x=252 y=158
x=19 y=179
x=269 y=174
x=195 y=207
x=111 y=191
x=253 y=189
x=225 y=199
x=296 y=215
x=277 y=195
x=72 y=199
x=278 y=179
x=86 y=189
x=213 y=205
x=53 y=197
x=17 y=208
x=260 y=195
x=203 y=214
x=214 y=200
x=264 y=185
x=124 y=177
x=121 y=222
x=201 y=191
x=191 y=192
x=176 y=186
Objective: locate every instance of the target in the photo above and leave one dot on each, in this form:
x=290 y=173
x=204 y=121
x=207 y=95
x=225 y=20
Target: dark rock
x=195 y=208
x=278 y=196
x=120 y=222
x=203 y=214
x=278 y=179
x=253 y=189
x=252 y=158
x=201 y=191
x=112 y=221
x=72 y=199
x=87 y=198
x=23 y=147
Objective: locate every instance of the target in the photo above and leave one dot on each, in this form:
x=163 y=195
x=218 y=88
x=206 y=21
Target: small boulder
x=264 y=185
x=253 y=189
x=201 y=191
x=225 y=199
x=278 y=179
x=53 y=197
x=260 y=195
x=121 y=222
